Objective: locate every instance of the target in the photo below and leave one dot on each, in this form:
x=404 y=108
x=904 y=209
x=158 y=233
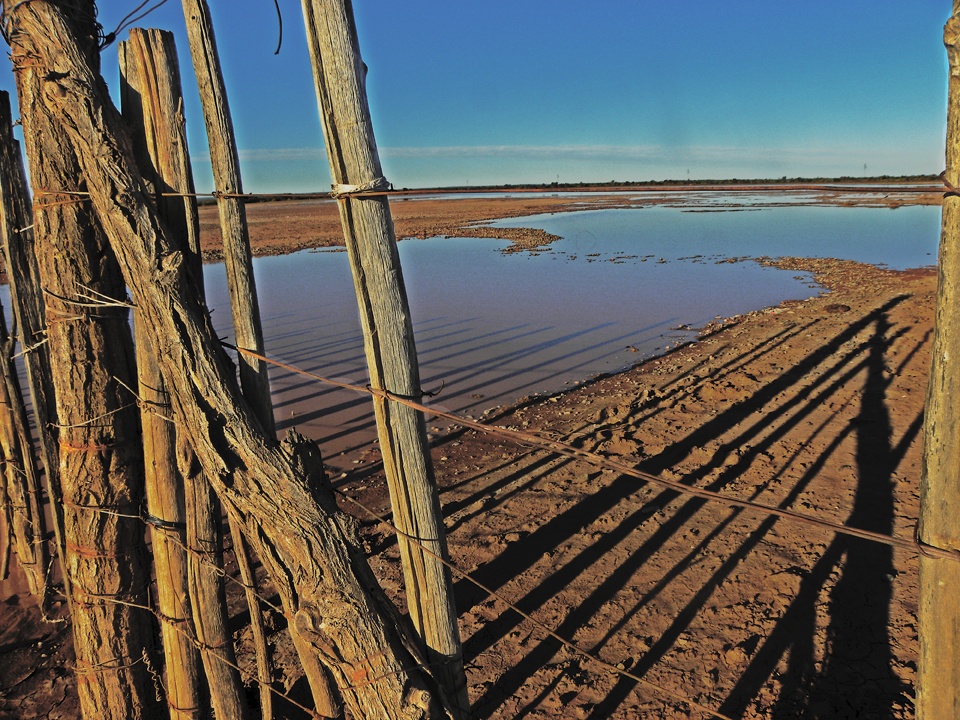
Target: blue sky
x=510 y=91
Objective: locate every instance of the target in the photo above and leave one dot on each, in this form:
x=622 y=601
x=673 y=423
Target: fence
x=235 y=448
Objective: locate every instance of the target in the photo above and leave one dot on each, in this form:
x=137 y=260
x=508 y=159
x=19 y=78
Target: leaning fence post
x=151 y=99
x=339 y=74
x=938 y=691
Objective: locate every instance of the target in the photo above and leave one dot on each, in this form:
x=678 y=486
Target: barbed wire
x=172 y=536
x=526 y=438
x=385 y=189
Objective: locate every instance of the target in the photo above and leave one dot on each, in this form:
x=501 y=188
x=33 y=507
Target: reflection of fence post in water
x=388 y=333
x=150 y=96
x=938 y=691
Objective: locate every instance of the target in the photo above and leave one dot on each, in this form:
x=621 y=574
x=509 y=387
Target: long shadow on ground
x=859 y=602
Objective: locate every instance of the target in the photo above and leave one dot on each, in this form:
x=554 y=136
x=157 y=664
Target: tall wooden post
x=152 y=101
x=20 y=470
x=339 y=74
x=233 y=216
x=938 y=677
x=20 y=464
x=29 y=310
x=241 y=286
x=91 y=351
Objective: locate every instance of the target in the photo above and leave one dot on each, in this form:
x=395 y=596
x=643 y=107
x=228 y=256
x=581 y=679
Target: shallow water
x=902 y=238
x=493 y=327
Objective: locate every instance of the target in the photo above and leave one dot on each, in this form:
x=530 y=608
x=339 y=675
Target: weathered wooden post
x=20 y=466
x=91 y=351
x=152 y=100
x=26 y=297
x=938 y=677
x=225 y=161
x=241 y=285
x=340 y=78
x=20 y=470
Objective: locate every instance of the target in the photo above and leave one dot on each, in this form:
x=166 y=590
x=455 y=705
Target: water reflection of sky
x=492 y=327
x=901 y=238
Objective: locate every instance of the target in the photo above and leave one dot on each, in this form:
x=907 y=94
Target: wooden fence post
x=241 y=285
x=20 y=471
x=152 y=100
x=20 y=466
x=29 y=310
x=233 y=217
x=339 y=75
x=91 y=351
x=938 y=689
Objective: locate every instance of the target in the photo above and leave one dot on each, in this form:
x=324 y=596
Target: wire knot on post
x=377 y=186
x=951 y=190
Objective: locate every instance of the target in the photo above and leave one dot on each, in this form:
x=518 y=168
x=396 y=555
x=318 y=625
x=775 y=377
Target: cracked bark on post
x=339 y=77
x=23 y=278
x=151 y=100
x=91 y=353
x=20 y=466
x=242 y=288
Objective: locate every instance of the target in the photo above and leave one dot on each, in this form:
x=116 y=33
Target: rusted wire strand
x=171 y=529
x=565 y=449
x=951 y=190
x=202 y=556
x=129 y=19
x=342 y=192
x=175 y=623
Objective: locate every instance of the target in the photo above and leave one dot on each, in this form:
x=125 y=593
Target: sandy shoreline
x=815 y=405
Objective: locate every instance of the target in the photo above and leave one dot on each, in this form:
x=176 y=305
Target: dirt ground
x=814 y=405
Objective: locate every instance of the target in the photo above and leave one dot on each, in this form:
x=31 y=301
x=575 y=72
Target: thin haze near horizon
x=517 y=91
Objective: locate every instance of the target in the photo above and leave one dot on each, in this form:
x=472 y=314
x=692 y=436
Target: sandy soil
x=812 y=405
